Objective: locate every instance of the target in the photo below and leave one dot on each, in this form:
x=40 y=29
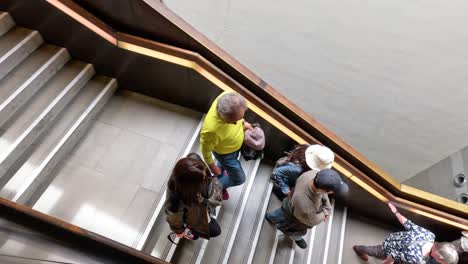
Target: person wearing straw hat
x=301 y=159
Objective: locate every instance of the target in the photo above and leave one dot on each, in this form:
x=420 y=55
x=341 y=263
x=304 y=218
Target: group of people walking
x=302 y=179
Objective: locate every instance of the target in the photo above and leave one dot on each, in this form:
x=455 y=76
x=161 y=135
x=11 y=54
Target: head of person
x=444 y=253
x=319 y=157
x=231 y=107
x=329 y=181
x=189 y=178
x=315 y=157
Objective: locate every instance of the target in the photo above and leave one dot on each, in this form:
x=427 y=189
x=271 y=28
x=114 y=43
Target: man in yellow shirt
x=222 y=135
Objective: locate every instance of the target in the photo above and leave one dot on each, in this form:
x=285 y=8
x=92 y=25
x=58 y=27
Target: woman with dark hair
x=301 y=159
x=192 y=196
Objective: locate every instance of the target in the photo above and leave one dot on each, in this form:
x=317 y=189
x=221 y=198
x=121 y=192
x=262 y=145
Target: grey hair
x=447 y=252
x=229 y=103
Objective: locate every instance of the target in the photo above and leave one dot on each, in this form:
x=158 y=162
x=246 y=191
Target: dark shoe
x=301 y=243
x=278 y=193
x=360 y=254
x=225 y=195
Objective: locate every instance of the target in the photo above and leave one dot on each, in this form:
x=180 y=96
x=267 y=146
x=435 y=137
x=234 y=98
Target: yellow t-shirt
x=219 y=136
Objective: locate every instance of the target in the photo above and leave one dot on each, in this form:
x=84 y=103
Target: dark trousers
x=213 y=227
x=373 y=251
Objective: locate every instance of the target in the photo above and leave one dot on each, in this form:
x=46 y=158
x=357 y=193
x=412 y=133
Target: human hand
x=392 y=207
x=247 y=125
x=181 y=235
x=215 y=170
x=200 y=198
x=188 y=234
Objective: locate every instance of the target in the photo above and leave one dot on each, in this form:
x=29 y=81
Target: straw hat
x=319 y=157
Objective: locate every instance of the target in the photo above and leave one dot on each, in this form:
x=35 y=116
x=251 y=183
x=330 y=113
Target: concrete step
x=58 y=141
x=18 y=134
x=284 y=251
x=265 y=250
x=15 y=46
x=18 y=86
x=304 y=256
x=321 y=242
x=334 y=247
x=243 y=239
x=229 y=218
x=111 y=181
x=6 y=23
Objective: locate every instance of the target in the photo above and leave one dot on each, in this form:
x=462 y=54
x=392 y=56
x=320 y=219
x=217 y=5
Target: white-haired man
x=222 y=135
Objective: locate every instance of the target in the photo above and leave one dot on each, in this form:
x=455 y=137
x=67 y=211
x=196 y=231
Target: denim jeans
x=290 y=227
x=286 y=175
x=230 y=164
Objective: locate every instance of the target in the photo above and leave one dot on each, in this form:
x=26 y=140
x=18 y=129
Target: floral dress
x=406 y=246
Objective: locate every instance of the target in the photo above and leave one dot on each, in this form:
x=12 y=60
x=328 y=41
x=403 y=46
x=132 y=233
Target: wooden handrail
x=93 y=242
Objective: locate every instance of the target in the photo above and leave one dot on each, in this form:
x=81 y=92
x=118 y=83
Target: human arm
x=208 y=141
x=215 y=170
x=399 y=216
x=408 y=224
x=246 y=125
x=326 y=205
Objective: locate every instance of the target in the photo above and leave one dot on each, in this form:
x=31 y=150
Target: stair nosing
x=85 y=116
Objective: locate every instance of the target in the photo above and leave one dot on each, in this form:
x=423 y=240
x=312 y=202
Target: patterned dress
x=406 y=246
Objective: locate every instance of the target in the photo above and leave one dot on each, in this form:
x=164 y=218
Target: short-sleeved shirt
x=406 y=246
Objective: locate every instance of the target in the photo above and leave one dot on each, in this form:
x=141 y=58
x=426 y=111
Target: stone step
x=58 y=141
x=18 y=86
x=18 y=134
x=15 y=46
x=6 y=23
x=243 y=239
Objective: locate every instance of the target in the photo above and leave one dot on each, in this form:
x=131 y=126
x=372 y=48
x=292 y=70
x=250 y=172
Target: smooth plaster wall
x=389 y=77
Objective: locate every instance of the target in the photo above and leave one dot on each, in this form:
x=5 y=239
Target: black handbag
x=251 y=154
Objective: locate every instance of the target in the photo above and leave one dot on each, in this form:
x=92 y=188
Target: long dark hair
x=297 y=155
x=189 y=178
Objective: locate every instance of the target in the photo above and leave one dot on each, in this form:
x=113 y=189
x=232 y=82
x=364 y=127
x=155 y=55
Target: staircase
x=75 y=147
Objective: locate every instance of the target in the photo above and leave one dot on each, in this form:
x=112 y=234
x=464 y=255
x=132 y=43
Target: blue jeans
x=286 y=175
x=290 y=227
x=230 y=164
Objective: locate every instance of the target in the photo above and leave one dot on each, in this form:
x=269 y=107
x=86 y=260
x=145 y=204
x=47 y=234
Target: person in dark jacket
x=192 y=196
x=309 y=204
